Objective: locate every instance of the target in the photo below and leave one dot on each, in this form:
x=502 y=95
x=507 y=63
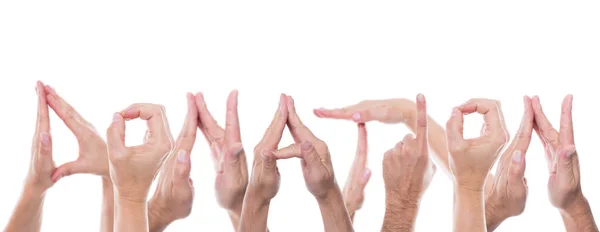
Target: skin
x=564 y=185
x=228 y=156
x=265 y=178
x=354 y=190
x=132 y=169
x=318 y=172
x=407 y=172
x=27 y=215
x=393 y=111
x=472 y=159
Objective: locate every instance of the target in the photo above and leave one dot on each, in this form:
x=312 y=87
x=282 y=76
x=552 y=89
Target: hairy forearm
x=468 y=210
x=492 y=219
x=130 y=216
x=578 y=217
x=27 y=216
x=400 y=212
x=255 y=212
x=333 y=211
x=157 y=222
x=108 y=206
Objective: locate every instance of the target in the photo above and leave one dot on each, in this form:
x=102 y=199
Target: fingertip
x=420 y=98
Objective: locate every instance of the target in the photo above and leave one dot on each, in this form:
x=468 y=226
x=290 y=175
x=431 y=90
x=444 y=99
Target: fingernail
x=570 y=153
x=238 y=151
x=366 y=174
x=321 y=109
x=45 y=138
x=517 y=156
x=455 y=111
x=356 y=116
x=306 y=146
x=182 y=157
x=117 y=117
x=420 y=97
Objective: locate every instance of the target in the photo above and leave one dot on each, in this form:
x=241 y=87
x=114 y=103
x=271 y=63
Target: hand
x=407 y=168
x=564 y=185
x=354 y=190
x=41 y=167
x=316 y=162
x=508 y=194
x=227 y=152
x=472 y=159
x=93 y=157
x=385 y=111
x=174 y=193
x=132 y=169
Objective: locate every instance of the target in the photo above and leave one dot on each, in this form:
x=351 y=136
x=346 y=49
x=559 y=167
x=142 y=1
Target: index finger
x=566 y=122
x=187 y=136
x=155 y=117
x=362 y=146
x=232 y=121
x=65 y=111
x=208 y=125
x=298 y=130
x=422 y=122
x=273 y=134
x=43 y=118
x=492 y=114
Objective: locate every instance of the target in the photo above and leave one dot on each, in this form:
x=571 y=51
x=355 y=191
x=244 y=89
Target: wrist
x=33 y=191
x=332 y=197
x=579 y=206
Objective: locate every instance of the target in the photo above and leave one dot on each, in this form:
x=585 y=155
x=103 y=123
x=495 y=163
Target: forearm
x=468 y=210
x=333 y=211
x=255 y=212
x=400 y=213
x=234 y=216
x=108 y=206
x=156 y=221
x=578 y=217
x=27 y=216
x=492 y=220
x=130 y=216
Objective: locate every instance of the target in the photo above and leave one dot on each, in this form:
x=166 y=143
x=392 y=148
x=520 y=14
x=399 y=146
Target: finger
x=566 y=122
x=232 y=123
x=66 y=169
x=298 y=130
x=492 y=114
x=362 y=146
x=310 y=155
x=115 y=134
x=523 y=138
x=183 y=166
x=364 y=178
x=187 y=136
x=454 y=129
x=269 y=162
x=65 y=112
x=43 y=118
x=273 y=134
x=291 y=151
x=155 y=117
x=565 y=164
x=517 y=166
x=208 y=125
x=547 y=132
x=339 y=113
x=422 y=123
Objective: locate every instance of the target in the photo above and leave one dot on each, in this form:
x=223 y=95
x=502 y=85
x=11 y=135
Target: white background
x=103 y=56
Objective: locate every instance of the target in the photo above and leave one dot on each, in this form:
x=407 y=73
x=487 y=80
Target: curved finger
x=208 y=125
x=492 y=114
x=566 y=122
x=66 y=169
x=298 y=130
x=115 y=134
x=454 y=129
x=273 y=134
x=232 y=122
x=187 y=136
x=422 y=123
x=546 y=131
x=65 y=111
x=155 y=117
x=291 y=151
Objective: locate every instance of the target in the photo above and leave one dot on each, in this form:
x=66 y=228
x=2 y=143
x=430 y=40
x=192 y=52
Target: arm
x=354 y=190
x=130 y=215
x=400 y=213
x=579 y=217
x=255 y=212
x=108 y=206
x=468 y=210
x=333 y=211
x=27 y=215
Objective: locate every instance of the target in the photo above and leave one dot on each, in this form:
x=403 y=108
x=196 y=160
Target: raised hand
x=132 y=169
x=318 y=172
x=354 y=190
x=472 y=159
x=407 y=172
x=508 y=194
x=564 y=185
x=228 y=156
x=174 y=193
x=93 y=158
x=265 y=179
x=27 y=215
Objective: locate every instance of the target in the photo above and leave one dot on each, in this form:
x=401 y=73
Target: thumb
x=115 y=134
x=183 y=166
x=517 y=166
x=66 y=169
x=454 y=129
x=564 y=165
x=364 y=178
x=268 y=162
x=310 y=155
